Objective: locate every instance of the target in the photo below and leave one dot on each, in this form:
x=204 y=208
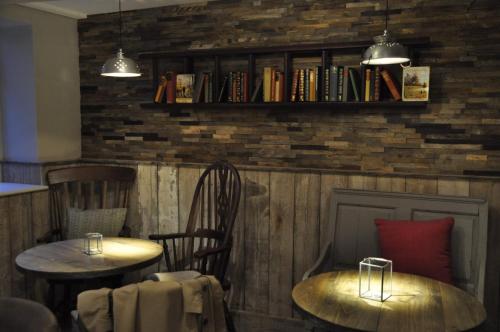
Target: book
x=307 y=89
x=171 y=87
x=340 y=84
x=389 y=82
x=367 y=83
x=416 y=82
x=267 y=84
x=198 y=87
x=354 y=80
x=333 y=82
x=312 y=85
x=279 y=89
x=302 y=85
x=160 y=91
x=184 y=88
x=223 y=90
x=326 y=85
x=257 y=92
x=317 y=83
x=273 y=85
x=208 y=86
x=345 y=84
x=376 y=86
x=295 y=85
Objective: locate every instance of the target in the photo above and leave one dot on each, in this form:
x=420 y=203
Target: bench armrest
x=323 y=264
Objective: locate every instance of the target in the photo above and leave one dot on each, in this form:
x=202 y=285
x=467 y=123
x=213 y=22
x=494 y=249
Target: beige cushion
x=108 y=222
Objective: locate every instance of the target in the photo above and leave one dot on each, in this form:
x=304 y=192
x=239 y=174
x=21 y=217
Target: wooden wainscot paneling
x=23 y=219
x=283 y=223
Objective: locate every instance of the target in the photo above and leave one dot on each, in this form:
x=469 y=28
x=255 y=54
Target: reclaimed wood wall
x=23 y=219
x=283 y=224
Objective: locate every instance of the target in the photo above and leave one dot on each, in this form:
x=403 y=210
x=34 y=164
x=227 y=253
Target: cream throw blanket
x=192 y=305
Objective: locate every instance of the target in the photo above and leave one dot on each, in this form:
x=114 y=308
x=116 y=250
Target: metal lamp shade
x=120 y=66
x=385 y=51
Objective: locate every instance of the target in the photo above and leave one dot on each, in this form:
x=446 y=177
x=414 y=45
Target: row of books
x=340 y=83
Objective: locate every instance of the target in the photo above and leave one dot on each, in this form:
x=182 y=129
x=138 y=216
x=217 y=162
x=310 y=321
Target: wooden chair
x=205 y=246
x=27 y=316
x=86 y=187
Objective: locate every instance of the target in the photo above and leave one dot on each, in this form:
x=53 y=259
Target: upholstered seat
x=22 y=315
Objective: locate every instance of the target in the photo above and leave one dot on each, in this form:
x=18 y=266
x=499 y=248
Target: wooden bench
x=352 y=214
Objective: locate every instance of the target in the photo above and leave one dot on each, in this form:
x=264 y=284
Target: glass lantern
x=92 y=243
x=375 y=278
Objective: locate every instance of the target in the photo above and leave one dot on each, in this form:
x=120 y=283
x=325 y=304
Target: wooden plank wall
x=23 y=219
x=282 y=224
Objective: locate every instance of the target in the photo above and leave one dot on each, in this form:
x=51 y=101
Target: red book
x=391 y=84
x=171 y=87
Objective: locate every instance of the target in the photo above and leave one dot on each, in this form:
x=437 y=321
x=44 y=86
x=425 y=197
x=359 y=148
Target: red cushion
x=418 y=247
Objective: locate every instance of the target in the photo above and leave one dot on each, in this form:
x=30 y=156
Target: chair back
x=211 y=218
x=24 y=315
x=86 y=187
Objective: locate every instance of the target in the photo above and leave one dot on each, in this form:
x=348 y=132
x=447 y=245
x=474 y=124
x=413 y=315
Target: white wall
x=55 y=123
x=17 y=94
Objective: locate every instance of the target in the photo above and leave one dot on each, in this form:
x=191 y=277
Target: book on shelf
x=279 y=90
x=295 y=85
x=334 y=82
x=184 y=88
x=237 y=87
x=354 y=80
x=366 y=83
x=416 y=81
x=302 y=85
x=171 y=86
x=160 y=91
x=312 y=85
x=326 y=87
x=340 y=83
x=391 y=84
x=267 y=84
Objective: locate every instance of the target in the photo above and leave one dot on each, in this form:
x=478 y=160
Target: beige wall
x=56 y=89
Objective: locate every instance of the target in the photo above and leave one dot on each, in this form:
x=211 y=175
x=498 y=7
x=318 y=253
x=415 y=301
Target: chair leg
x=229 y=319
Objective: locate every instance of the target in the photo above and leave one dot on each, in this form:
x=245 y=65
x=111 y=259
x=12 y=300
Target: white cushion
x=108 y=222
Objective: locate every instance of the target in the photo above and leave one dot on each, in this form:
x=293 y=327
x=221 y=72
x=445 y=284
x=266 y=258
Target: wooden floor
x=251 y=322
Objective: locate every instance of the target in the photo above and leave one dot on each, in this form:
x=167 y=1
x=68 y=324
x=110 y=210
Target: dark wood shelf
x=294 y=49
x=289 y=105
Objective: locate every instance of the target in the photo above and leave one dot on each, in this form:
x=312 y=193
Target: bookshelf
x=284 y=55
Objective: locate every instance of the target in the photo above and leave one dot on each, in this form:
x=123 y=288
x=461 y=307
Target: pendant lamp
x=385 y=51
x=120 y=66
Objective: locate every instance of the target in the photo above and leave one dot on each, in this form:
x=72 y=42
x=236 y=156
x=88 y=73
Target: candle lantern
x=92 y=243
x=375 y=278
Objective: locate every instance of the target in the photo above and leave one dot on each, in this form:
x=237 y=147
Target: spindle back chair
x=87 y=187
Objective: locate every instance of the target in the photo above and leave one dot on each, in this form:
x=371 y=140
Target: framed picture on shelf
x=416 y=83
x=184 y=88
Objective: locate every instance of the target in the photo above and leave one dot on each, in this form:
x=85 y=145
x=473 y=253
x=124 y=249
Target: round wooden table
x=65 y=260
x=416 y=304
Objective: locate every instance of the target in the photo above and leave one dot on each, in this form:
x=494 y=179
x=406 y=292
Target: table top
x=417 y=304
x=65 y=260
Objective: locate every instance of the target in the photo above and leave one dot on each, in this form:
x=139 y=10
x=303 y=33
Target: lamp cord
x=386 y=13
x=120 y=19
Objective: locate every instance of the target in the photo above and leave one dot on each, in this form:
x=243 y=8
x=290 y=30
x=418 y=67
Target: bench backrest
x=355 y=234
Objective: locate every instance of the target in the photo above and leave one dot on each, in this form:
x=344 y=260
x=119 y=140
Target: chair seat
x=24 y=315
x=174 y=276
